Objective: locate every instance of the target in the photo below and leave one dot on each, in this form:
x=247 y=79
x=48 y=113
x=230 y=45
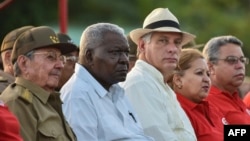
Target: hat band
x=163 y=23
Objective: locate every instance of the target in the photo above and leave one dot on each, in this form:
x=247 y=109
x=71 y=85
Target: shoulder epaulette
x=26 y=95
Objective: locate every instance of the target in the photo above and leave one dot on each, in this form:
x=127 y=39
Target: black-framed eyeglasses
x=234 y=60
x=52 y=56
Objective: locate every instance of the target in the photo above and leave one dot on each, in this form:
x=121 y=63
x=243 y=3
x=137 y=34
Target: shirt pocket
x=48 y=133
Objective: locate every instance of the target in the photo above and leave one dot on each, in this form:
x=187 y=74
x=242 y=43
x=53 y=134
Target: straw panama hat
x=160 y=20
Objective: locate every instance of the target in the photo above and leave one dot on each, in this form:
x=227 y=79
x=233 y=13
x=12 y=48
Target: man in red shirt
x=246 y=100
x=226 y=63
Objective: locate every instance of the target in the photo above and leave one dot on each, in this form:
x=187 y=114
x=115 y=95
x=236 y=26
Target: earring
x=179 y=86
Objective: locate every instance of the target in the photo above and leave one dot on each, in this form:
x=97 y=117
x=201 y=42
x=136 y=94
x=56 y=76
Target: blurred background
x=205 y=19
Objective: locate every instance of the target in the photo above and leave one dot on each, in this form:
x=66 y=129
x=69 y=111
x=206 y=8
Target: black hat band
x=163 y=23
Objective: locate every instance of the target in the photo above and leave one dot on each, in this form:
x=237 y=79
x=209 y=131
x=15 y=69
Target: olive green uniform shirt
x=38 y=111
x=5 y=80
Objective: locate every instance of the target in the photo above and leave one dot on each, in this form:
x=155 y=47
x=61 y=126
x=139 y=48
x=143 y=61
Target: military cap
x=64 y=38
x=38 y=37
x=10 y=38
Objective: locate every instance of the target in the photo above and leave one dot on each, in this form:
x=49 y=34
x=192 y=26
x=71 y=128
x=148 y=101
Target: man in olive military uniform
x=7 y=75
x=71 y=59
x=38 y=63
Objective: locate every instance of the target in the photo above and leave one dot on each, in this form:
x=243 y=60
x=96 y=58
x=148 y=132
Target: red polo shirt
x=9 y=125
x=246 y=100
x=206 y=119
x=232 y=106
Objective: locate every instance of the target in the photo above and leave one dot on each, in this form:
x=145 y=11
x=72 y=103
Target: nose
x=206 y=79
x=124 y=58
x=172 y=47
x=239 y=65
x=59 y=64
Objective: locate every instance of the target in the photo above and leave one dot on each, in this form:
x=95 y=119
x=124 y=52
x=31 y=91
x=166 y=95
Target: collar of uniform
x=36 y=90
x=7 y=76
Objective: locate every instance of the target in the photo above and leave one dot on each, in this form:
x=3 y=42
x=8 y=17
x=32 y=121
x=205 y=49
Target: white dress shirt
x=156 y=105
x=96 y=114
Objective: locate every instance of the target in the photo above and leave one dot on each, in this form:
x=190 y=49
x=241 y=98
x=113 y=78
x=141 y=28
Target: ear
x=89 y=57
x=7 y=57
x=211 y=67
x=23 y=63
x=177 y=80
x=141 y=45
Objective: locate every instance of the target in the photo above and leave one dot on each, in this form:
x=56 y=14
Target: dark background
x=205 y=19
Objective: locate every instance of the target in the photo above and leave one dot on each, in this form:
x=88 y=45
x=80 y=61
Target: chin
x=238 y=83
x=168 y=70
x=120 y=79
x=170 y=66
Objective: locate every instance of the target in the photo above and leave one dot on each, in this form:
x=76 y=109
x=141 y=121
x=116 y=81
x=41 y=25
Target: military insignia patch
x=54 y=39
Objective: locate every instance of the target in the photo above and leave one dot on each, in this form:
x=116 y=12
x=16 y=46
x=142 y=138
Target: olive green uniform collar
x=37 y=91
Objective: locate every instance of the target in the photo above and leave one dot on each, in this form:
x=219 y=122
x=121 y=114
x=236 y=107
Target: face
x=226 y=75
x=162 y=51
x=69 y=67
x=195 y=81
x=44 y=69
x=109 y=61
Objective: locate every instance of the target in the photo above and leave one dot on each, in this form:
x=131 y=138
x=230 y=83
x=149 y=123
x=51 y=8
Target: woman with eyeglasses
x=226 y=63
x=191 y=84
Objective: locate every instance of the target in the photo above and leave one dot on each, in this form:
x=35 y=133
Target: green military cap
x=10 y=38
x=133 y=47
x=64 y=38
x=38 y=37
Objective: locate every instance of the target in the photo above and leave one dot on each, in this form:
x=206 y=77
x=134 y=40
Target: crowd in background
x=144 y=86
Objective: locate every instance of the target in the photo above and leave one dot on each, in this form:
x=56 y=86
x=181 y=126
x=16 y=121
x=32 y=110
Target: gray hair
x=17 y=70
x=146 y=38
x=93 y=36
x=212 y=47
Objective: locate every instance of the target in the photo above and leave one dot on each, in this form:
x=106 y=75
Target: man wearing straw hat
x=159 y=45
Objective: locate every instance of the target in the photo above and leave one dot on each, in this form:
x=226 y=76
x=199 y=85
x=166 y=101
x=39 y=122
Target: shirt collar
x=189 y=104
x=150 y=69
x=216 y=90
x=184 y=101
x=39 y=92
x=115 y=91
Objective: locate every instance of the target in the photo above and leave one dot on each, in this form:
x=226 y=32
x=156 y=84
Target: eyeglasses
x=52 y=56
x=234 y=60
x=72 y=58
